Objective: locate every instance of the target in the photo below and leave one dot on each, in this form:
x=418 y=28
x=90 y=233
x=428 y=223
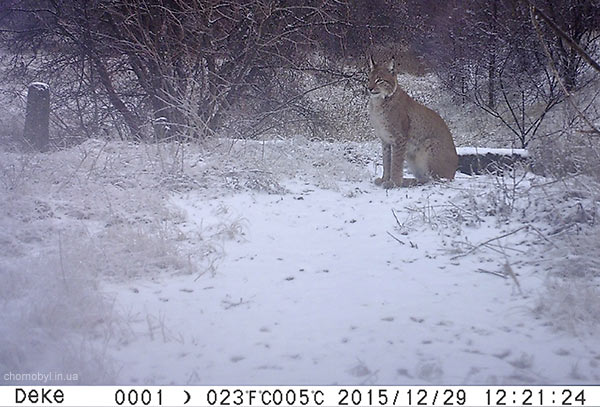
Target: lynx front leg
x=387 y=160
x=396 y=167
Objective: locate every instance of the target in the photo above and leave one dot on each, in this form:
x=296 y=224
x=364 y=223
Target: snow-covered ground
x=282 y=263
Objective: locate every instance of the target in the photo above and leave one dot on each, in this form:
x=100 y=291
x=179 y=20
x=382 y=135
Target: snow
x=39 y=85
x=498 y=151
x=319 y=293
x=282 y=263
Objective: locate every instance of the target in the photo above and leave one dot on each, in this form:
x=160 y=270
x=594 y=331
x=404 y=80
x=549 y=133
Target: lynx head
x=382 y=79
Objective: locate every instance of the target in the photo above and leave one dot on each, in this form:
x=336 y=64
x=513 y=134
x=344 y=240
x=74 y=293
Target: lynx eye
x=379 y=81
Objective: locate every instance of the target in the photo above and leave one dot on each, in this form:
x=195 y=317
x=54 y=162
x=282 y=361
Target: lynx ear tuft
x=391 y=65
x=371 y=63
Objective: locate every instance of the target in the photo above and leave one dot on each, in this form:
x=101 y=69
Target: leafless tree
x=182 y=67
x=488 y=52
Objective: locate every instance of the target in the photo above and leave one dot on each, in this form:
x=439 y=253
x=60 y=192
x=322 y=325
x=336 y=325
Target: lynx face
x=382 y=80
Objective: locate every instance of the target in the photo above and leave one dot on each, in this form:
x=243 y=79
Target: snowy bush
x=73 y=219
x=570 y=303
x=55 y=319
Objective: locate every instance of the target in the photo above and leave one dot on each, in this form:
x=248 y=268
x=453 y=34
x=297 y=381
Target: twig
x=473 y=214
x=228 y=304
x=494 y=273
x=66 y=181
x=62 y=263
x=150 y=327
x=397 y=220
x=502 y=249
x=489 y=241
x=540 y=234
x=509 y=271
x=396 y=239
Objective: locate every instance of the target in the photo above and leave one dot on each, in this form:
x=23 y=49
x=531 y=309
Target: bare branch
x=539 y=13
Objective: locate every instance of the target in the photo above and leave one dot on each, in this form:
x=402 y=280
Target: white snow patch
x=498 y=151
x=39 y=85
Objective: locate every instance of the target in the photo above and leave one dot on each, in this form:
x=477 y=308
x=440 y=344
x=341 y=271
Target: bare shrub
x=494 y=55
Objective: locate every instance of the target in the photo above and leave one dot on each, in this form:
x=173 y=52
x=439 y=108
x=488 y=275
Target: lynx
x=408 y=130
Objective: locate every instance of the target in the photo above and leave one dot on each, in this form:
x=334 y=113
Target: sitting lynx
x=408 y=130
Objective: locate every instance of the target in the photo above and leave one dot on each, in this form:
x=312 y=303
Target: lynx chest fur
x=379 y=114
x=408 y=131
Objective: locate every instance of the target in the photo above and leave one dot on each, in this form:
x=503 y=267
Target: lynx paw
x=389 y=184
x=411 y=182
